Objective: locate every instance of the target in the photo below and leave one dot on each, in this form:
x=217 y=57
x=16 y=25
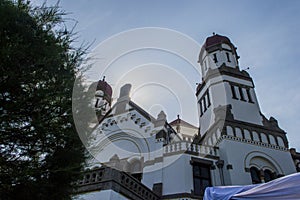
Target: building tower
x=231 y=120
x=103 y=98
x=225 y=87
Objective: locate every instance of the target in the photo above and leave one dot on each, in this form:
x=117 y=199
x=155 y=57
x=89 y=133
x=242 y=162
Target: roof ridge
x=183 y=122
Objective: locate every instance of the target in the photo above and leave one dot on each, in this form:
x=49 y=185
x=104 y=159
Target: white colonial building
x=138 y=156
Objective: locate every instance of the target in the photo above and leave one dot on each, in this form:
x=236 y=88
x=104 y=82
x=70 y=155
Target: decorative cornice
x=256 y=143
x=224 y=70
x=152 y=162
x=227 y=119
x=200 y=160
x=260 y=128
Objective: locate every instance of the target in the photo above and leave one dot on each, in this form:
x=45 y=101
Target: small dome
x=215 y=40
x=106 y=88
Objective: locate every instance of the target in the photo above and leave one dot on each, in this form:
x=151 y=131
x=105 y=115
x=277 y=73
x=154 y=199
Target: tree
x=41 y=155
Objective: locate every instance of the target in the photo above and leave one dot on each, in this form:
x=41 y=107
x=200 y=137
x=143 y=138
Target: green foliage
x=41 y=154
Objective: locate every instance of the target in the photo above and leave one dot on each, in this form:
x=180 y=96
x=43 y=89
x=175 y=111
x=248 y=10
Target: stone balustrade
x=188 y=147
x=105 y=178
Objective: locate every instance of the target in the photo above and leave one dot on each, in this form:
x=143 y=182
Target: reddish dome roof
x=105 y=87
x=216 y=39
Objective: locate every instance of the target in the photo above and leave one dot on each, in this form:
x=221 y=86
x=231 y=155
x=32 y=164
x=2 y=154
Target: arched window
x=215 y=58
x=238 y=132
x=272 y=139
x=262 y=167
x=228 y=57
x=268 y=175
x=280 y=141
x=255 y=136
x=247 y=134
x=255 y=175
x=229 y=130
x=264 y=138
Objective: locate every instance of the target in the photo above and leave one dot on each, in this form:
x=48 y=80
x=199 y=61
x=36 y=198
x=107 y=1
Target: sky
x=266 y=34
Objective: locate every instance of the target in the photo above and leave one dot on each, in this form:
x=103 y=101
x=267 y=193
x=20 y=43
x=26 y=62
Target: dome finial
x=103 y=78
x=214 y=33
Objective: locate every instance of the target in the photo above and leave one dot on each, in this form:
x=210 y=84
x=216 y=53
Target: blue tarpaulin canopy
x=287 y=187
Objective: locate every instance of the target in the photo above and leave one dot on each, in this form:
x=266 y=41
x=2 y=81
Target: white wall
x=221 y=95
x=121 y=135
x=235 y=153
x=207 y=59
x=177 y=177
x=100 y=195
x=152 y=174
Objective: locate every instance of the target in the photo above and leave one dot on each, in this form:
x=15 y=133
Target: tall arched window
x=229 y=130
x=247 y=134
x=255 y=136
x=264 y=138
x=255 y=175
x=280 y=141
x=262 y=167
x=272 y=139
x=238 y=133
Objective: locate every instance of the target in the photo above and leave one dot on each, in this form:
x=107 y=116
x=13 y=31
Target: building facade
x=138 y=156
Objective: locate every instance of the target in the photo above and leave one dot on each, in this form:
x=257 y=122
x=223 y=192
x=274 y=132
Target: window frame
x=228 y=57
x=242 y=96
x=215 y=57
x=233 y=91
x=257 y=173
x=205 y=165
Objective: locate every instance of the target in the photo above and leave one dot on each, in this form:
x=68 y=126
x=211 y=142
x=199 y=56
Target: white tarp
x=287 y=188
